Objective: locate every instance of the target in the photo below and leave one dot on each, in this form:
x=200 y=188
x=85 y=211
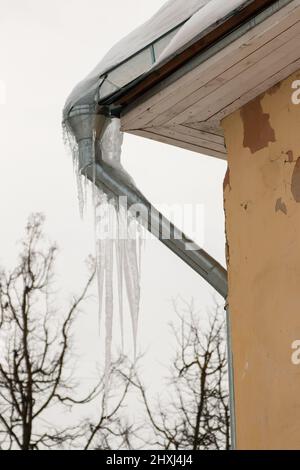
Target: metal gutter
x=210 y=42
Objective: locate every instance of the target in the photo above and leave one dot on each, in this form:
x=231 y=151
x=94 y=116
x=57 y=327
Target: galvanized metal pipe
x=88 y=127
x=200 y=261
x=231 y=380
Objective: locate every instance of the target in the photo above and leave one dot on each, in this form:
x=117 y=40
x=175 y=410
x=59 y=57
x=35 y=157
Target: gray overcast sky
x=46 y=47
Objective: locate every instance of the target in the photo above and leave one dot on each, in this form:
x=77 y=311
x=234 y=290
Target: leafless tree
x=196 y=413
x=36 y=377
x=111 y=429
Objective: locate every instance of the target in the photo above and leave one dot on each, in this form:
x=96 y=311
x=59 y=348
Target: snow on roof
x=170 y=15
x=199 y=22
x=190 y=17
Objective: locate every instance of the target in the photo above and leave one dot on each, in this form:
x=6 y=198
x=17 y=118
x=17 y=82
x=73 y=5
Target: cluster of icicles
x=118 y=238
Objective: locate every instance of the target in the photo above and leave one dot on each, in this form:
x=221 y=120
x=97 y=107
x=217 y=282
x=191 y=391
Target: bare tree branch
x=36 y=355
x=197 y=416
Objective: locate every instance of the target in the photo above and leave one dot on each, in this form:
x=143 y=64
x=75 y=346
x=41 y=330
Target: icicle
x=109 y=302
x=140 y=233
x=72 y=146
x=100 y=267
x=80 y=195
x=121 y=244
x=128 y=253
x=99 y=244
x=131 y=273
x=120 y=267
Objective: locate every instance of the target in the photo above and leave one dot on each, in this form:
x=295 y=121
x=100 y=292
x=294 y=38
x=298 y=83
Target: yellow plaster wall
x=262 y=206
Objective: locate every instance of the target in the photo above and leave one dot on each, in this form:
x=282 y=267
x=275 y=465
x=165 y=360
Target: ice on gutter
x=135 y=50
x=118 y=244
x=96 y=141
x=174 y=26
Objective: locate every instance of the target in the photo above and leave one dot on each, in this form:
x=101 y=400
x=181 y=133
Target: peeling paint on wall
x=258 y=132
x=290 y=155
x=295 y=186
x=226 y=179
x=262 y=213
x=280 y=206
x=227 y=253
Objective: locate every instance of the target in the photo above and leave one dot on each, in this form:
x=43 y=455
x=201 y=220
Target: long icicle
x=132 y=282
x=120 y=267
x=109 y=301
x=121 y=246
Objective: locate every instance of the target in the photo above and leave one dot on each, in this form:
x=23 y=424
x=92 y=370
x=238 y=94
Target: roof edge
x=134 y=90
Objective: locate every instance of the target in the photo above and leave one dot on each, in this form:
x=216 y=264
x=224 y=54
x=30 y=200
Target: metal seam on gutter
x=216 y=39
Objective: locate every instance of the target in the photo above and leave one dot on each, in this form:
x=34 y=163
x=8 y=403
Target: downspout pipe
x=200 y=261
x=88 y=126
x=87 y=123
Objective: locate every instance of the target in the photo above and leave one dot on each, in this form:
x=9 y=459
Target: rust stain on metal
x=295 y=186
x=258 y=132
x=280 y=206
